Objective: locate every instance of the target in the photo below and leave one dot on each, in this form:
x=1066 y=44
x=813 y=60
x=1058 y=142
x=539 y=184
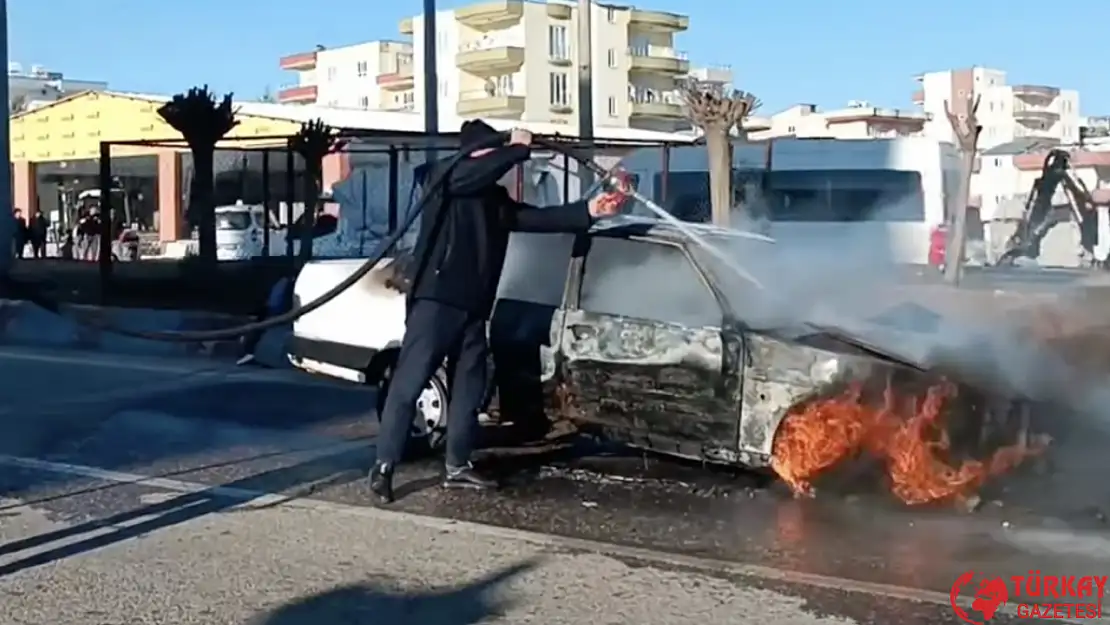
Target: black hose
x=185 y=336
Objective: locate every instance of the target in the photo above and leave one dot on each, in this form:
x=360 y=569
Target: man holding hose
x=459 y=252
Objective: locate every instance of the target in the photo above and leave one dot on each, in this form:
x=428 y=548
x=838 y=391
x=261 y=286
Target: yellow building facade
x=71 y=130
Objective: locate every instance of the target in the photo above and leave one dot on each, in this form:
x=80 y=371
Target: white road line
x=169 y=364
x=253 y=498
x=109 y=361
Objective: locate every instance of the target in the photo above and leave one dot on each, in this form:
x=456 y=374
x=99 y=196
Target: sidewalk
x=295 y=566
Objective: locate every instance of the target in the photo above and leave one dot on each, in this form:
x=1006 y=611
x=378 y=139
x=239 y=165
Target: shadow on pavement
x=306 y=477
x=377 y=604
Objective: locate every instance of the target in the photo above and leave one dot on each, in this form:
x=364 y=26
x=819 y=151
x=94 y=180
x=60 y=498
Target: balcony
x=491 y=15
x=297 y=94
x=405 y=27
x=716 y=74
x=558 y=11
x=1025 y=113
x=1036 y=91
x=658 y=21
x=491 y=103
x=398 y=80
x=490 y=57
x=658 y=60
x=656 y=104
x=298 y=62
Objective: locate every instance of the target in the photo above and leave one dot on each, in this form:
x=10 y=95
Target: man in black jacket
x=459 y=252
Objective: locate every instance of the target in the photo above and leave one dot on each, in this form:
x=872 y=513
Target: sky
x=811 y=51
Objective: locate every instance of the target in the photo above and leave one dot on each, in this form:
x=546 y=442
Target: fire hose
x=606 y=178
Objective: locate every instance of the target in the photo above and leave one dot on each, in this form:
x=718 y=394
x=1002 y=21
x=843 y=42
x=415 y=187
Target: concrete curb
x=26 y=325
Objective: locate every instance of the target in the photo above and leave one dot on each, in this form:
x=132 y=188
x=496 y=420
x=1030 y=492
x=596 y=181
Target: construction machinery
x=1041 y=215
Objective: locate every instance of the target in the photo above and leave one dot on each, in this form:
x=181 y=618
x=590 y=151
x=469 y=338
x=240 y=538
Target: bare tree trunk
x=312 y=183
x=720 y=174
x=202 y=203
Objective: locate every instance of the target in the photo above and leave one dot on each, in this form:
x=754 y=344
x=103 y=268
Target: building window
x=332 y=71
x=361 y=68
x=557 y=43
x=364 y=102
x=560 y=95
x=611 y=15
x=612 y=58
x=612 y=107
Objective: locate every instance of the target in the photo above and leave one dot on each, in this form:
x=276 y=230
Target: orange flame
x=908 y=438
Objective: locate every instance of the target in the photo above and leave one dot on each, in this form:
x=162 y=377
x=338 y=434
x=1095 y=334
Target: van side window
x=646 y=280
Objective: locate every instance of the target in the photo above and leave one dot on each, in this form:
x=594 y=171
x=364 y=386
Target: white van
x=239 y=231
x=863 y=192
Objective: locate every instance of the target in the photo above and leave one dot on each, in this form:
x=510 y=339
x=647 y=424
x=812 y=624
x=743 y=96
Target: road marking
x=198 y=367
x=253 y=499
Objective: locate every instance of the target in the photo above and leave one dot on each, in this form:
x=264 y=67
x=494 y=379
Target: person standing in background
x=36 y=234
x=19 y=236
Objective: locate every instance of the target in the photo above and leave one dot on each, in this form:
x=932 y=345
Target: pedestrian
x=459 y=255
x=19 y=236
x=36 y=233
x=279 y=301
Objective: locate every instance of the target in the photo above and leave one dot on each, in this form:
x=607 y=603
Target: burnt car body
x=643 y=343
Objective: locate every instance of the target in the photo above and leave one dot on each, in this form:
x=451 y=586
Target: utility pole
x=431 y=80
x=7 y=223
x=585 y=88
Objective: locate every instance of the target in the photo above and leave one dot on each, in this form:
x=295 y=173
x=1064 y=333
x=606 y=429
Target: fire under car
x=634 y=332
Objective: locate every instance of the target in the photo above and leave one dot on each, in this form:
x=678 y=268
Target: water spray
x=617 y=180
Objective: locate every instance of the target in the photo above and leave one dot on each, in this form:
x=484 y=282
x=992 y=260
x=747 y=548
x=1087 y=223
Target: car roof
x=624 y=226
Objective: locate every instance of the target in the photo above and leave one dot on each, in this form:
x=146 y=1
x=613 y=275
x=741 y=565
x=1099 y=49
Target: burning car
x=633 y=332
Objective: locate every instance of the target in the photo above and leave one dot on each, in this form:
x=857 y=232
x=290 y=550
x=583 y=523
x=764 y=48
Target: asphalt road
x=171 y=491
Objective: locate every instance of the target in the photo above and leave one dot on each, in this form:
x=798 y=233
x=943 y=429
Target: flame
x=905 y=434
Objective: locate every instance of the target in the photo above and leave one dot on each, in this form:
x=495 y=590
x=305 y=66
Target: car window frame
x=572 y=295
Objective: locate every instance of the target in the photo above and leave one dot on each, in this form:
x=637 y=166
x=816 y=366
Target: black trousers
x=435 y=332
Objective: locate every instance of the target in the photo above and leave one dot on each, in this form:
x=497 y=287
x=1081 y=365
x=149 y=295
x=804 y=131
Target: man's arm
x=472 y=175
x=520 y=217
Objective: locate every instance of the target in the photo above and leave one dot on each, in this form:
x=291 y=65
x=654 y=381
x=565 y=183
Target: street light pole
x=585 y=87
x=7 y=222
x=431 y=79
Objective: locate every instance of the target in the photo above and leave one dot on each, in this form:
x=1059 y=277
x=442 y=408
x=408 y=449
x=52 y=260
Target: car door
x=642 y=350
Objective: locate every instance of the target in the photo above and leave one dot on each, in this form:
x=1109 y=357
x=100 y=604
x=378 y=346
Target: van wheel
x=429 y=425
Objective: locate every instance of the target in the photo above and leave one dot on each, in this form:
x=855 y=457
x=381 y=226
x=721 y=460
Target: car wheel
x=429 y=424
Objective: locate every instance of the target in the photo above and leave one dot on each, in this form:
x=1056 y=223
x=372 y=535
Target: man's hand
x=520 y=136
x=606 y=204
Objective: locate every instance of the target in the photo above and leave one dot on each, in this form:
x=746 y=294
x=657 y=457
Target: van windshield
x=233 y=220
x=818 y=195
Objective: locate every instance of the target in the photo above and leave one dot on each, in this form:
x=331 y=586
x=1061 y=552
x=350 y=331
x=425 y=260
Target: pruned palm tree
x=716 y=111
x=314 y=141
x=203 y=122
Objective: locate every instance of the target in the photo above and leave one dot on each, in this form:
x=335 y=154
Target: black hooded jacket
x=464 y=231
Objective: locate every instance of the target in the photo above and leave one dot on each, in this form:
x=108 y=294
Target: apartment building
x=376 y=75
x=29 y=89
x=859 y=120
x=1006 y=112
x=512 y=59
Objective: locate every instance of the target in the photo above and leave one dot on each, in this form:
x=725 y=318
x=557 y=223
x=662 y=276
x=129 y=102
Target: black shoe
x=381 y=482
x=467 y=477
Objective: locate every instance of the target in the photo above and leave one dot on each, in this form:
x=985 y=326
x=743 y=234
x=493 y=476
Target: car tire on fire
x=427 y=435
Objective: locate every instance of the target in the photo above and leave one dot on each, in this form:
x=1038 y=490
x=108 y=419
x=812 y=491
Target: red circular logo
x=990 y=595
